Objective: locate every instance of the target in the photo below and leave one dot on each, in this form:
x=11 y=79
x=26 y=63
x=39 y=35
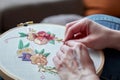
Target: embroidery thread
x=40 y=37
x=36 y=57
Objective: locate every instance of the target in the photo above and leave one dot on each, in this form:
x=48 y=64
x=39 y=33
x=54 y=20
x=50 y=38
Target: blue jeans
x=111 y=70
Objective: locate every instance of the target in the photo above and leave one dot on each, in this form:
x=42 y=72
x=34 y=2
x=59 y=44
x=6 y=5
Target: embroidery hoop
x=10 y=76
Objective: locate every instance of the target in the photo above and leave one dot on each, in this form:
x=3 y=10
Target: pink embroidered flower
x=43 y=34
x=39 y=59
x=43 y=37
x=43 y=41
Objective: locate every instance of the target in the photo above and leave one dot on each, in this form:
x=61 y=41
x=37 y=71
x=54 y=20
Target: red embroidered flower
x=43 y=37
x=43 y=34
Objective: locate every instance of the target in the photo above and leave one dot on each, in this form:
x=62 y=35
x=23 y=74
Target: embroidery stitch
x=40 y=37
x=36 y=57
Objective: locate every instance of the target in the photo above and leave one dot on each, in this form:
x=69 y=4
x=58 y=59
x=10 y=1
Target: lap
x=111 y=70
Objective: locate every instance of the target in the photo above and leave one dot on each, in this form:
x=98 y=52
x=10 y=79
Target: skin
x=72 y=60
x=74 y=63
x=92 y=34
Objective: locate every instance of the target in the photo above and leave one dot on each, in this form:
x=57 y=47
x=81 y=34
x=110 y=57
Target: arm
x=114 y=38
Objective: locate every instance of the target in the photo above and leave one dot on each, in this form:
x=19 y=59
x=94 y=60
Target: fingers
x=84 y=52
x=79 y=27
x=66 y=49
x=88 y=41
x=77 y=46
x=71 y=32
x=73 y=43
x=57 y=62
x=62 y=56
x=80 y=50
x=73 y=58
x=70 y=63
x=87 y=61
x=69 y=25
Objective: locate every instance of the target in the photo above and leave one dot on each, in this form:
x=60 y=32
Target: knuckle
x=68 y=24
x=77 y=45
x=70 y=30
x=68 y=49
x=87 y=21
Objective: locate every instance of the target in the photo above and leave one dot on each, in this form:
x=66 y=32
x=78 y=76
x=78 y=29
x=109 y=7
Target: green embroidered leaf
x=23 y=35
x=52 y=41
x=27 y=45
x=46 y=54
x=49 y=32
x=42 y=51
x=36 y=52
x=20 y=46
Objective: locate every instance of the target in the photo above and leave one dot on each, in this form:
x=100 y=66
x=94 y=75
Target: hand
x=88 y=32
x=74 y=63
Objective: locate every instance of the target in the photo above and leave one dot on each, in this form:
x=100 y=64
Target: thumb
x=88 y=41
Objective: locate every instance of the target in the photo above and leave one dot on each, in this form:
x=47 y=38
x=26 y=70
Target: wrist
x=90 y=77
x=114 y=38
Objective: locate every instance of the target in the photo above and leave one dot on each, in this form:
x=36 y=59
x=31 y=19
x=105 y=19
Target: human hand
x=74 y=63
x=88 y=32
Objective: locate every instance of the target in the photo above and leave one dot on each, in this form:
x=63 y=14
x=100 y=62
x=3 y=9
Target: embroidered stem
x=6 y=40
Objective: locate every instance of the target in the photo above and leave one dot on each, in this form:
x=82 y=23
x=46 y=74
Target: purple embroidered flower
x=25 y=50
x=26 y=57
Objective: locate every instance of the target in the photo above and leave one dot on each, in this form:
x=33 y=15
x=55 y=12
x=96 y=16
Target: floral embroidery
x=40 y=58
x=26 y=57
x=24 y=52
x=40 y=37
x=36 y=57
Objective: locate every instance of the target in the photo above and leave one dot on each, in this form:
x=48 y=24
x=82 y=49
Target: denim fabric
x=111 y=70
x=1 y=78
x=106 y=20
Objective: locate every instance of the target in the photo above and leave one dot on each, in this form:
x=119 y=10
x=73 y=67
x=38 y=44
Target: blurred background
x=13 y=12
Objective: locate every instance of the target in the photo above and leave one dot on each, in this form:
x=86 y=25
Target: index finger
x=68 y=25
x=79 y=27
